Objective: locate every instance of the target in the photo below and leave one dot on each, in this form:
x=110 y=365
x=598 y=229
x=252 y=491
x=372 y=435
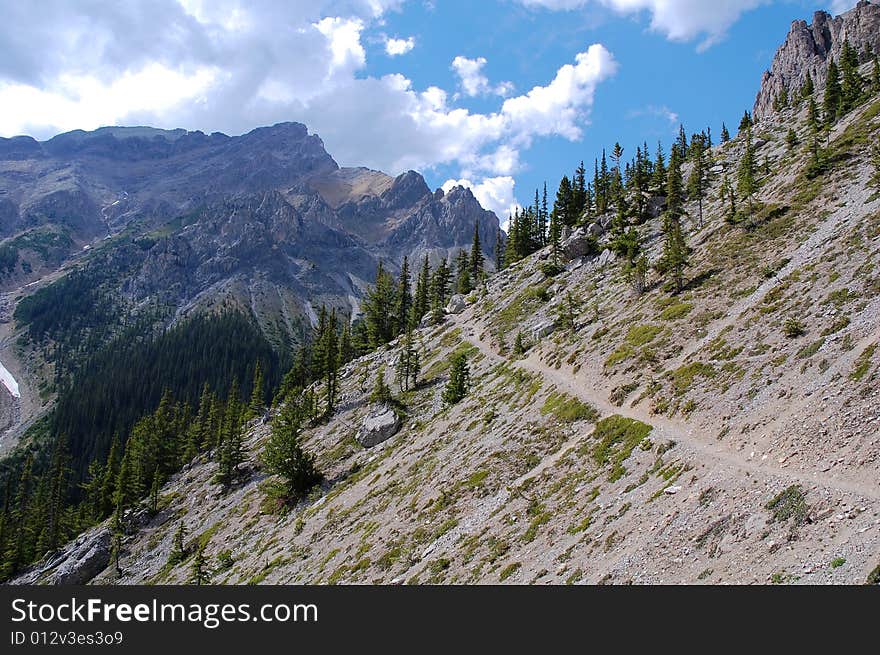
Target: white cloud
x=840 y=6
x=678 y=20
x=397 y=47
x=473 y=81
x=493 y=193
x=230 y=66
x=661 y=111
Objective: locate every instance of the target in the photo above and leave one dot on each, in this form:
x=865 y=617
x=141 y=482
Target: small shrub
x=793 y=328
x=789 y=504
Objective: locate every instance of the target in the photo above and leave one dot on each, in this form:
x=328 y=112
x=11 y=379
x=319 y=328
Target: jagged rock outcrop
x=75 y=564
x=807 y=50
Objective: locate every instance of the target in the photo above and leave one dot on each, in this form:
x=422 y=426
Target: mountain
x=266 y=222
x=808 y=49
x=617 y=424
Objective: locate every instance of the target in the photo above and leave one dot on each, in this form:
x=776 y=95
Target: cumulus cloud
x=473 y=81
x=495 y=194
x=397 y=47
x=231 y=65
x=679 y=20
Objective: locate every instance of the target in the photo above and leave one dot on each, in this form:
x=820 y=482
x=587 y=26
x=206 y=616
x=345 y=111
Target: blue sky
x=499 y=95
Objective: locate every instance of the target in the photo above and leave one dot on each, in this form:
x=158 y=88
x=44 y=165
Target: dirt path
x=701 y=446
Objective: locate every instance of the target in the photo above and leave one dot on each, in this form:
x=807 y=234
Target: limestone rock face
x=807 y=50
x=457 y=304
x=76 y=564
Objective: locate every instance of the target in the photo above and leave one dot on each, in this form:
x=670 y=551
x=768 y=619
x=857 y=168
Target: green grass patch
x=863 y=363
x=568 y=409
x=617 y=436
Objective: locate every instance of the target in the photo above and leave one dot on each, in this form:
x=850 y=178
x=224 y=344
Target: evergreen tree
x=659 y=178
x=257 y=403
x=791 y=139
x=814 y=165
x=698 y=178
x=439 y=291
x=408 y=363
x=725 y=135
x=578 y=194
x=423 y=284
x=499 y=251
x=404 y=298
x=852 y=82
x=563 y=206
x=746 y=121
x=379 y=306
x=675 y=253
x=681 y=143
x=674 y=187
x=833 y=94
x=459 y=380
x=199 y=571
x=154 y=493
x=284 y=455
x=108 y=481
x=179 y=550
x=808 y=87
x=381 y=393
x=477 y=262
x=463 y=282
x=555 y=238
x=728 y=200
x=231 y=447
x=747 y=183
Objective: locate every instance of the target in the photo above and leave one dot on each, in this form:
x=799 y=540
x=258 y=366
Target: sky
x=500 y=96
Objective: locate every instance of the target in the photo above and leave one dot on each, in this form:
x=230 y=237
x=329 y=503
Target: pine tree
x=499 y=251
x=674 y=187
x=477 y=262
x=231 y=441
x=697 y=180
x=808 y=87
x=154 y=493
x=681 y=143
x=381 y=393
x=728 y=200
x=852 y=82
x=562 y=207
x=833 y=94
x=379 y=308
x=408 y=363
x=199 y=571
x=404 y=298
x=459 y=380
x=257 y=403
x=814 y=165
x=108 y=481
x=463 y=282
x=578 y=194
x=747 y=183
x=284 y=455
x=179 y=550
x=555 y=238
x=439 y=291
x=659 y=178
x=746 y=121
x=423 y=284
x=725 y=134
x=791 y=139
x=675 y=253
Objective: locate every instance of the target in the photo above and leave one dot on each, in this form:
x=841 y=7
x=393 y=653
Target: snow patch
x=9 y=381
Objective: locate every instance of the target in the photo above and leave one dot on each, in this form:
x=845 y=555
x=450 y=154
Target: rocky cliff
x=808 y=48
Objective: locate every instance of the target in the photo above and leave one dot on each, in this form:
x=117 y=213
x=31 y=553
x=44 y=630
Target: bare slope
x=666 y=439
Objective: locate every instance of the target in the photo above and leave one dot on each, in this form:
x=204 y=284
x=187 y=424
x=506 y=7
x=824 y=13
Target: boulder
x=579 y=244
x=457 y=304
x=542 y=330
x=379 y=425
x=605 y=258
x=76 y=563
x=426 y=320
x=656 y=206
x=595 y=230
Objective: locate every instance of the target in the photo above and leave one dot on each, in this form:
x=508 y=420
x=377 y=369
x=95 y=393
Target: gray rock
x=579 y=244
x=656 y=206
x=457 y=304
x=808 y=48
x=605 y=258
x=76 y=563
x=379 y=425
x=542 y=330
x=595 y=230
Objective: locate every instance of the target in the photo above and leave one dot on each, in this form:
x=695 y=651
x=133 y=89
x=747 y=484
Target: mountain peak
x=807 y=50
